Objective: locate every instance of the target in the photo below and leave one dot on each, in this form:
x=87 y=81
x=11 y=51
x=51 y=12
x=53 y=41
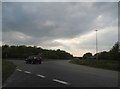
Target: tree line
x=112 y=54
x=23 y=51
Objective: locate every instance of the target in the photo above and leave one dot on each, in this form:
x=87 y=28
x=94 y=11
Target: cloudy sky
x=68 y=26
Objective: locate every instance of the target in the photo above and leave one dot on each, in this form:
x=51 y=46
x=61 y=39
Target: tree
x=5 y=51
x=87 y=55
x=25 y=51
x=114 y=52
x=103 y=55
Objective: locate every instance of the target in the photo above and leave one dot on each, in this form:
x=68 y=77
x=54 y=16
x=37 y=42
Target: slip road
x=60 y=73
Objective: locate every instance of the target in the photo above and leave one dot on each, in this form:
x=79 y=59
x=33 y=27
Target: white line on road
x=40 y=75
x=19 y=70
x=27 y=72
x=56 y=80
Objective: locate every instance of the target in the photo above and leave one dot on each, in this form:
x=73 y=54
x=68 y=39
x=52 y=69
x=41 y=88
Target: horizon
x=51 y=49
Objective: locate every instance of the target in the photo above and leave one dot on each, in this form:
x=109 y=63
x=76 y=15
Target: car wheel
x=30 y=62
x=40 y=62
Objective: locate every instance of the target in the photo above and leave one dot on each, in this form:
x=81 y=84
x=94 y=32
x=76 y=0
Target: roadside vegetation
x=7 y=69
x=22 y=51
x=106 y=60
x=106 y=64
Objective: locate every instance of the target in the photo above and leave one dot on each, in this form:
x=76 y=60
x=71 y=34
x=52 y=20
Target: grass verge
x=105 y=64
x=7 y=69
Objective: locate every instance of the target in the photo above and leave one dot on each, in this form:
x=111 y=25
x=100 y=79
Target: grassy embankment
x=7 y=69
x=105 y=64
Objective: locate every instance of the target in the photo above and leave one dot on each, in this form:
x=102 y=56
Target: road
x=60 y=73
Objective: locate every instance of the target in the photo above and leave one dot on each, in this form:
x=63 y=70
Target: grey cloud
x=48 y=21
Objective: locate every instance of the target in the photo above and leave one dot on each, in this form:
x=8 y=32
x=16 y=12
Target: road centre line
x=40 y=75
x=59 y=81
x=27 y=72
x=19 y=70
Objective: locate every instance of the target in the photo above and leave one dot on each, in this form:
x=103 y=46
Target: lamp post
x=96 y=46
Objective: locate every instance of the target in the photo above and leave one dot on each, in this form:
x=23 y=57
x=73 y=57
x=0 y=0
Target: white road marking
x=40 y=75
x=19 y=70
x=56 y=80
x=27 y=72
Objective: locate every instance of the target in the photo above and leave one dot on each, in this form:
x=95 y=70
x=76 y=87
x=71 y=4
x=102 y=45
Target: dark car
x=35 y=59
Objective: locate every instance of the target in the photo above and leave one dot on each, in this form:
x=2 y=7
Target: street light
x=96 y=46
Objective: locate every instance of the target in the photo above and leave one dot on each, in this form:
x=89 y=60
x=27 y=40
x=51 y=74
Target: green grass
x=7 y=69
x=105 y=64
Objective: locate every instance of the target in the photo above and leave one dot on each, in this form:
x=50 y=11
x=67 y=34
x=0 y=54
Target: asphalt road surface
x=60 y=73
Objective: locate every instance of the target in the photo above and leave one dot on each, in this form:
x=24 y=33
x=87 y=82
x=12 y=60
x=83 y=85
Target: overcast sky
x=68 y=26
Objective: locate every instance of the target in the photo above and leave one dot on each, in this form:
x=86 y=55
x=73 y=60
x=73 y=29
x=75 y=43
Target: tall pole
x=96 y=46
